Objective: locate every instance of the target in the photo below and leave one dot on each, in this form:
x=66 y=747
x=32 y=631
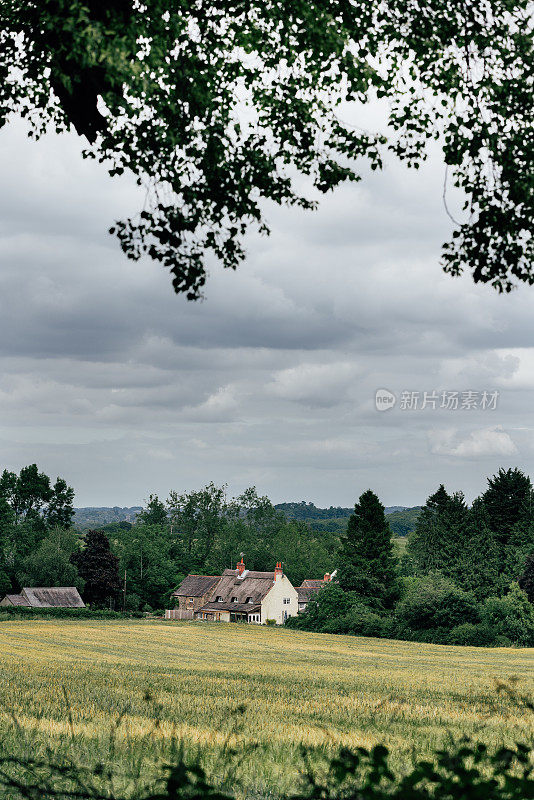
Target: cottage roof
x=53 y=597
x=249 y=573
x=247 y=608
x=248 y=591
x=305 y=593
x=196 y=585
x=310 y=583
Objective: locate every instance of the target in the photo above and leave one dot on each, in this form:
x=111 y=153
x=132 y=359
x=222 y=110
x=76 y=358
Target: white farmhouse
x=238 y=595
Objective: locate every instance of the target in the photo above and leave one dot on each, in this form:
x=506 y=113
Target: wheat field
x=76 y=687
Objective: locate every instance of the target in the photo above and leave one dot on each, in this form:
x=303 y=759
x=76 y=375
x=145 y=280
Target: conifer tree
x=366 y=561
x=477 y=568
x=439 y=534
x=519 y=546
x=526 y=581
x=506 y=499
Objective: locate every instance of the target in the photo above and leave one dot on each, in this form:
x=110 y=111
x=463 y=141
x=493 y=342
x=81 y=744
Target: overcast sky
x=113 y=382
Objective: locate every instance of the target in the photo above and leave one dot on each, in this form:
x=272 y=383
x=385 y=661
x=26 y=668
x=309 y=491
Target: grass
x=67 y=683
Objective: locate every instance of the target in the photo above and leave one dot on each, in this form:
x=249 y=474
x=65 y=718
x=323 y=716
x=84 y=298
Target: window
x=249 y=600
x=287 y=601
x=219 y=599
x=234 y=599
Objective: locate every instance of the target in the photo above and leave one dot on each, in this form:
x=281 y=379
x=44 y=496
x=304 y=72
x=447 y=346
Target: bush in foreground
x=465 y=771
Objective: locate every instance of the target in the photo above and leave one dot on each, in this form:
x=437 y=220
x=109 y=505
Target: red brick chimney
x=278 y=571
x=240 y=567
x=327 y=578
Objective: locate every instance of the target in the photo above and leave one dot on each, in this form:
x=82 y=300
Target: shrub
x=470 y=635
x=434 y=602
x=21 y=612
x=359 y=620
x=327 y=606
x=270 y=622
x=510 y=617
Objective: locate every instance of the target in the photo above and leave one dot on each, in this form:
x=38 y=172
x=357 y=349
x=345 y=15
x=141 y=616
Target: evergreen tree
x=519 y=546
x=526 y=581
x=440 y=534
x=477 y=568
x=507 y=497
x=98 y=567
x=366 y=561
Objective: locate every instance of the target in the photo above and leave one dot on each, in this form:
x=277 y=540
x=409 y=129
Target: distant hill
x=334 y=519
x=401 y=518
x=96 y=516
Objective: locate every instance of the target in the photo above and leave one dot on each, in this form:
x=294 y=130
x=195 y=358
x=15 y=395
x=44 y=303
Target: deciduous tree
x=218 y=106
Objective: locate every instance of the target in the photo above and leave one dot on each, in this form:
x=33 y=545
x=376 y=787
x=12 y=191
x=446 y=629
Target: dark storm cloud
x=112 y=381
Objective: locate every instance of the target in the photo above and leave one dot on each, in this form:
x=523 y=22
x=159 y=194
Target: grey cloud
x=110 y=380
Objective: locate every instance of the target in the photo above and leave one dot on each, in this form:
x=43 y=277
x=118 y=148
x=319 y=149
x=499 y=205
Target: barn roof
x=53 y=597
x=196 y=585
x=15 y=600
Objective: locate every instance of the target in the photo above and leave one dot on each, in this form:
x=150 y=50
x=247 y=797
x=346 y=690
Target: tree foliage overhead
x=217 y=106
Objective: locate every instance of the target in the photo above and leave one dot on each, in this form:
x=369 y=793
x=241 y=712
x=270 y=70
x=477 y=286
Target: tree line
x=137 y=566
x=466 y=575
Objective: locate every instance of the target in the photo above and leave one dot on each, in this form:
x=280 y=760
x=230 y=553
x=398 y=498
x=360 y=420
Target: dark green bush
x=470 y=635
x=433 y=602
x=510 y=617
x=359 y=621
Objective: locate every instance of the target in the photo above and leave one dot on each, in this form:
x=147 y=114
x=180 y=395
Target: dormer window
x=249 y=600
x=234 y=599
x=218 y=599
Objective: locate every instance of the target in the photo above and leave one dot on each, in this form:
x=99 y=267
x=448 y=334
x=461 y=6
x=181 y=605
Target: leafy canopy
x=218 y=106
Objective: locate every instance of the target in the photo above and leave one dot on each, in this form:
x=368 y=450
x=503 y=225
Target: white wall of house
x=280 y=602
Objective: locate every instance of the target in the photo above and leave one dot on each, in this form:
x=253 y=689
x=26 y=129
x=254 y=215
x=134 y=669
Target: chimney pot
x=327 y=577
x=240 y=567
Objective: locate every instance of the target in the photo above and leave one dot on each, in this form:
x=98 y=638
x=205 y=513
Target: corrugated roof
x=53 y=597
x=196 y=585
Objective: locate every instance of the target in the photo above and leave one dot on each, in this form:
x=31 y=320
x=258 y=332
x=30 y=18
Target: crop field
x=135 y=687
